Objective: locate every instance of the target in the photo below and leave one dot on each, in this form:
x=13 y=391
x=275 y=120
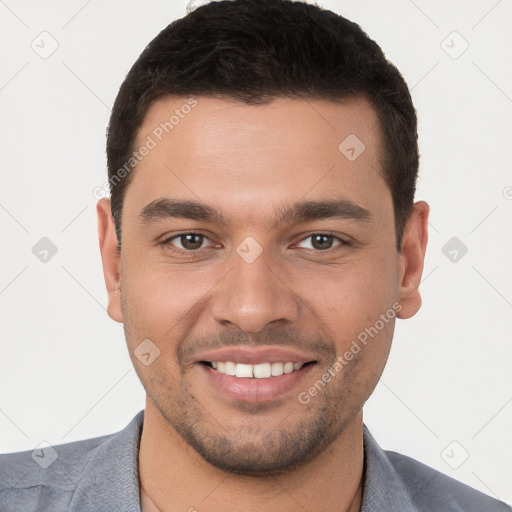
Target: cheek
x=159 y=300
x=349 y=301
x=361 y=289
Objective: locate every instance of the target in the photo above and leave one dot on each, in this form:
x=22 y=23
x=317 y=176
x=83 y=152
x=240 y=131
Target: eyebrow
x=301 y=212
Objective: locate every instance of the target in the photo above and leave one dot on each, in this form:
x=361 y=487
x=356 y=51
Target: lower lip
x=255 y=390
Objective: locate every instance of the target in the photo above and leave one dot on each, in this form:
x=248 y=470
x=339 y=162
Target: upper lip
x=256 y=355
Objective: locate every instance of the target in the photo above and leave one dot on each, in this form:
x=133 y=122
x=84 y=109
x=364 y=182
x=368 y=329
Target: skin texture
x=200 y=448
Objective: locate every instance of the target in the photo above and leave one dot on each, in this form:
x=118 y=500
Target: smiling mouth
x=255 y=371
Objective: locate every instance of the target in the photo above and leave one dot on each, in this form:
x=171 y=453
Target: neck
x=176 y=477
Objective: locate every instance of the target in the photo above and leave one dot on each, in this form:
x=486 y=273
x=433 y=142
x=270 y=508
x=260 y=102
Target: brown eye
x=321 y=241
x=188 y=241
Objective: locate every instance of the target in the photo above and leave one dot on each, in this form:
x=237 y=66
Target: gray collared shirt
x=101 y=474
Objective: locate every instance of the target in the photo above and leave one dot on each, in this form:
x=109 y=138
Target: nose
x=254 y=294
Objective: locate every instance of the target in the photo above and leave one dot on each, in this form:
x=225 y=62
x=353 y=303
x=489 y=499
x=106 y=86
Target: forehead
x=285 y=122
x=252 y=158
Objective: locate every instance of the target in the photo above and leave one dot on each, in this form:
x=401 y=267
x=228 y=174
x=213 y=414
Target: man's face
x=280 y=278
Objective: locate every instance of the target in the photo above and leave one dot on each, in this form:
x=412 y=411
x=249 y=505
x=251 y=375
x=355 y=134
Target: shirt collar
x=110 y=479
x=383 y=488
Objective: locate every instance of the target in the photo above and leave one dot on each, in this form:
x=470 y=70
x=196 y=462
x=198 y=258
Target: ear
x=411 y=259
x=110 y=257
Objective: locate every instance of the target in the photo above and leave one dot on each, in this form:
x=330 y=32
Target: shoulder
x=94 y=474
x=430 y=489
x=48 y=473
x=396 y=482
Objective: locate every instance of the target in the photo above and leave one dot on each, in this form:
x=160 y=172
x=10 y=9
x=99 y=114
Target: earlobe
x=110 y=257
x=412 y=257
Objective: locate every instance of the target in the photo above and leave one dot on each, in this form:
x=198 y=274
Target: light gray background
x=65 y=373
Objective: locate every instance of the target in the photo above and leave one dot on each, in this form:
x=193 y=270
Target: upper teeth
x=258 y=371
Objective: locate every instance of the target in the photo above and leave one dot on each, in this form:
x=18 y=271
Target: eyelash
x=191 y=252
